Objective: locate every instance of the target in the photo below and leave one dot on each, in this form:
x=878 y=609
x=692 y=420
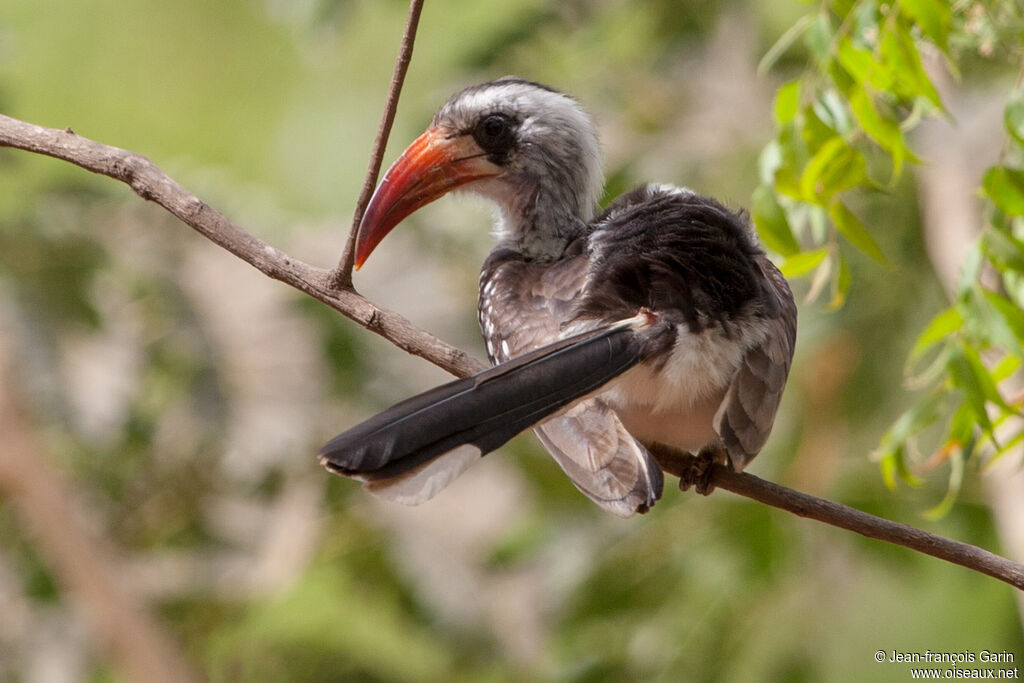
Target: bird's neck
x=541 y=224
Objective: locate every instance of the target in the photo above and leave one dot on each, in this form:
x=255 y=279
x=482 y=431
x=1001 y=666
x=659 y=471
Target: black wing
x=415 y=448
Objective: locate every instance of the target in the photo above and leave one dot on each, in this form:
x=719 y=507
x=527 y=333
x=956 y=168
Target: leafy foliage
x=842 y=130
x=186 y=405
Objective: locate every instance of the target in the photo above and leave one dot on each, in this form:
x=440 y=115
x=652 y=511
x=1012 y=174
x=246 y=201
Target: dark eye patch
x=496 y=135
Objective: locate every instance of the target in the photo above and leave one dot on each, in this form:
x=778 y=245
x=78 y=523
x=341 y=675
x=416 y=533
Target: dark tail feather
x=470 y=417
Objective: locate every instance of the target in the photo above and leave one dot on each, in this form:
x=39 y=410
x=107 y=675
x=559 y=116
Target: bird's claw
x=699 y=473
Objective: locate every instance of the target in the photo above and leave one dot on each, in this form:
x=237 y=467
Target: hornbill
x=658 y=322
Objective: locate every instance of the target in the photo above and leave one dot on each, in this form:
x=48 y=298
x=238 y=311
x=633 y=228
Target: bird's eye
x=494 y=134
x=493 y=127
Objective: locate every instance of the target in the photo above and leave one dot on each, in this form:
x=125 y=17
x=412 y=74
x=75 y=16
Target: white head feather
x=552 y=179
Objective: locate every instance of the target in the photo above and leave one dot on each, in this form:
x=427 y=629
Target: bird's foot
x=694 y=471
x=700 y=471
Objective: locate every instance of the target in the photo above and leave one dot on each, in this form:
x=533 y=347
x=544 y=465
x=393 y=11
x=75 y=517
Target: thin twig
x=690 y=470
x=845 y=517
x=152 y=184
x=341 y=276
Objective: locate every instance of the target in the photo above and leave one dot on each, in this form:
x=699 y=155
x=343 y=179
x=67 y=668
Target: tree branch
x=691 y=471
x=152 y=184
x=341 y=276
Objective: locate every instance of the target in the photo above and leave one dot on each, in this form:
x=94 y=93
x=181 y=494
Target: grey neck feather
x=543 y=215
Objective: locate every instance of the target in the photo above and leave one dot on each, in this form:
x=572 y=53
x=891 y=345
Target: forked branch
x=341 y=276
x=150 y=183
x=333 y=288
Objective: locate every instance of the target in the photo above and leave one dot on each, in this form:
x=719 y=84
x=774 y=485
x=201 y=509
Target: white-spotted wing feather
x=522 y=307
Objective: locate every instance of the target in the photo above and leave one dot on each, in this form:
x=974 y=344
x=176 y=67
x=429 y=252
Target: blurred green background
x=185 y=395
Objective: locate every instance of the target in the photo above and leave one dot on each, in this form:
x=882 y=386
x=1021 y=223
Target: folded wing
x=415 y=448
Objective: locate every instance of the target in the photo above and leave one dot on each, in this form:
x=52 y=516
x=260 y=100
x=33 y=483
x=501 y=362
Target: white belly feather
x=675 y=403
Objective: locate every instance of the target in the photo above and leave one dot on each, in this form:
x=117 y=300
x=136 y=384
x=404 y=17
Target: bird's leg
x=693 y=470
x=671 y=460
x=704 y=463
x=700 y=469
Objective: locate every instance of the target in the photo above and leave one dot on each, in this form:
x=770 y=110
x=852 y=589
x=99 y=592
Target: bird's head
x=531 y=150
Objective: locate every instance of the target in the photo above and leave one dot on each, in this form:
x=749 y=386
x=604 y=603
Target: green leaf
x=825 y=155
x=841 y=283
x=936 y=369
x=819 y=37
x=1013 y=119
x=832 y=111
x=934 y=18
x=848 y=171
x=786 y=183
x=1007 y=366
x=889 y=464
x=854 y=231
x=906 y=475
x=883 y=130
x=817 y=221
x=1005 y=187
x=962 y=427
x=920 y=415
x=835 y=167
x=901 y=54
x=822 y=276
x=1004 y=250
x=800 y=264
x=857 y=60
x=985 y=326
x=1006 y=446
x=1013 y=318
x=970 y=269
x=956 y=477
x=863 y=13
x=963 y=376
x=939 y=328
x=988 y=384
x=769 y=162
x=925 y=412
x=893 y=464
x=781 y=156
x=772 y=224
x=970 y=374
x=787 y=102
x=862 y=66
x=785 y=42
x=815 y=132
